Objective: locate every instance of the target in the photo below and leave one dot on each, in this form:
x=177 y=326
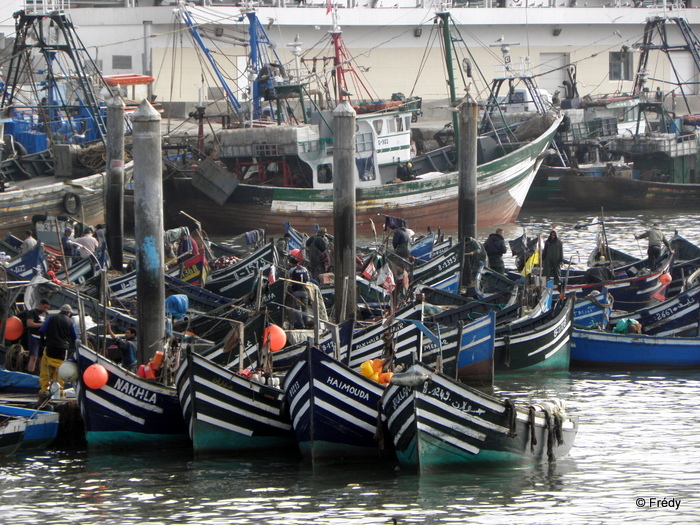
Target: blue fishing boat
x=334 y=411
x=42 y=425
x=128 y=410
x=592 y=349
x=438 y=423
x=677 y=316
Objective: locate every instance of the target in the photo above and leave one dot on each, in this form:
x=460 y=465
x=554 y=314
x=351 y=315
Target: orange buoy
x=95 y=376
x=275 y=336
x=13 y=328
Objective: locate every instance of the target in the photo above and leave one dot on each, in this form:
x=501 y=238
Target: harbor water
x=635 y=458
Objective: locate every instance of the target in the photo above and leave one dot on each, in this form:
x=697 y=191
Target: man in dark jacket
x=552 y=257
x=300 y=277
x=495 y=247
x=59 y=336
x=400 y=241
x=318 y=253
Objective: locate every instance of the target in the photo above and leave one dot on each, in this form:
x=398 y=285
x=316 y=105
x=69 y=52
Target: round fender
x=71 y=203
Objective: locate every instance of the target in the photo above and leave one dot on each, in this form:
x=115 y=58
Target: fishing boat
x=334 y=411
x=227 y=412
x=42 y=425
x=591 y=349
x=284 y=173
x=662 y=146
x=438 y=423
x=128 y=410
x=55 y=129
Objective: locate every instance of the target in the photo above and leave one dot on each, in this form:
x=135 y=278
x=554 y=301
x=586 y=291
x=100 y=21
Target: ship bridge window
x=391 y=126
x=621 y=65
x=399 y=124
x=378 y=126
x=363 y=142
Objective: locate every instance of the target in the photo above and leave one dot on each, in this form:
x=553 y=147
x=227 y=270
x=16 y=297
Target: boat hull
x=11 y=435
x=334 y=411
x=42 y=426
x=604 y=350
x=129 y=409
x=442 y=424
x=616 y=193
x=226 y=412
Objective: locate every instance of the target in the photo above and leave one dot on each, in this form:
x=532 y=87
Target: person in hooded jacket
x=495 y=247
x=552 y=257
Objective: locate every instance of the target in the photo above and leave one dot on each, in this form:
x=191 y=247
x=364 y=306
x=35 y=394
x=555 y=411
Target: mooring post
x=344 y=215
x=114 y=213
x=148 y=216
x=467 y=219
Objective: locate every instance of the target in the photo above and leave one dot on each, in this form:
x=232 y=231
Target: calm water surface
x=637 y=449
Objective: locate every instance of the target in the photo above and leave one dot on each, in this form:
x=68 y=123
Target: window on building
x=621 y=65
x=121 y=61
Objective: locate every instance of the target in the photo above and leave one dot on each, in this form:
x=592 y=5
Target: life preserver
x=71 y=203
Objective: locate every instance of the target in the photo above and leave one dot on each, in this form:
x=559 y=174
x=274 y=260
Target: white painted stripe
x=303 y=410
x=113 y=408
x=446 y=438
x=477 y=420
x=494 y=405
x=344 y=416
x=300 y=395
x=240 y=412
x=225 y=425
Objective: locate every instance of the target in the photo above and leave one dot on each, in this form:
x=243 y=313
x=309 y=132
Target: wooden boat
x=13 y=382
x=677 y=316
x=128 y=410
x=293 y=181
x=50 y=172
x=536 y=343
x=438 y=423
x=609 y=351
x=42 y=425
x=11 y=434
x=334 y=411
x=227 y=412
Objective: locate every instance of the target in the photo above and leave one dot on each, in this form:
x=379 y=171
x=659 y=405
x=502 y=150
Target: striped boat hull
x=334 y=411
x=128 y=409
x=226 y=412
x=442 y=424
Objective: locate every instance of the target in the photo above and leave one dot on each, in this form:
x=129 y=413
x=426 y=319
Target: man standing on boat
x=300 y=277
x=127 y=345
x=59 y=335
x=87 y=244
x=473 y=255
x=318 y=253
x=67 y=245
x=495 y=247
x=400 y=241
x=35 y=320
x=656 y=239
x=28 y=243
x=552 y=257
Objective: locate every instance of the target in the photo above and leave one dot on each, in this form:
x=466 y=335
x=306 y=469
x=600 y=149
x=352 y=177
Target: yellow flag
x=531 y=262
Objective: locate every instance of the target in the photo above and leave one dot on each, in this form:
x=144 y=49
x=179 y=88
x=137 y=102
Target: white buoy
x=68 y=371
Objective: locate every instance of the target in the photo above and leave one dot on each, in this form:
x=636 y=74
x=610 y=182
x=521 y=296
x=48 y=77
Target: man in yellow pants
x=59 y=335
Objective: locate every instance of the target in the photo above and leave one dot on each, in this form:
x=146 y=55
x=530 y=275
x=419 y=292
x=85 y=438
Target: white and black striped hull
x=226 y=412
x=334 y=410
x=444 y=424
x=128 y=409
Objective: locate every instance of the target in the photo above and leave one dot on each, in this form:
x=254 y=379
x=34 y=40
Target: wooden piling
x=114 y=213
x=148 y=214
x=344 y=215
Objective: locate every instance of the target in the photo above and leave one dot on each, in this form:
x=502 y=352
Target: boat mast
x=341 y=90
x=447 y=37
